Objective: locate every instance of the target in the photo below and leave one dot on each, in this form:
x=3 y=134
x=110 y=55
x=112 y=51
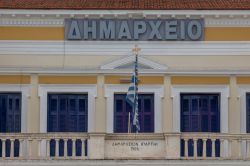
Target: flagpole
x=132 y=95
x=136 y=85
x=129 y=126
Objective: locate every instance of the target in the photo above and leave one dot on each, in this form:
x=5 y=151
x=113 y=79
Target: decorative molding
x=181 y=72
x=123 y=48
x=25 y=91
x=122 y=13
x=59 y=22
x=130 y=59
x=32 y=22
x=158 y=91
x=227 y=22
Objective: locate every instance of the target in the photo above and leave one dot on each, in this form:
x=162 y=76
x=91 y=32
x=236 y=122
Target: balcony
x=81 y=146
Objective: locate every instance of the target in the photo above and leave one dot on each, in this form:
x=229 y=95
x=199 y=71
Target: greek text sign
x=134 y=149
x=131 y=30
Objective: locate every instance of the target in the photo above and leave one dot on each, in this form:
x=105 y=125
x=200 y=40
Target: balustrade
x=74 y=146
x=38 y=146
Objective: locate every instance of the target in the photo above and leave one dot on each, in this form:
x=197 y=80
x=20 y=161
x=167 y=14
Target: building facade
x=65 y=69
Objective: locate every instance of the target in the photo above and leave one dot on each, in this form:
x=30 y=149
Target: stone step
x=124 y=163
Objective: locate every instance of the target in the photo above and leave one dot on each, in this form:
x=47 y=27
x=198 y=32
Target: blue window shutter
x=67 y=112
x=122 y=109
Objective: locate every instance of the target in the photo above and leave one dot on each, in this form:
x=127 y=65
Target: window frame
x=25 y=90
x=223 y=90
x=157 y=90
x=67 y=112
x=209 y=113
x=44 y=89
x=124 y=113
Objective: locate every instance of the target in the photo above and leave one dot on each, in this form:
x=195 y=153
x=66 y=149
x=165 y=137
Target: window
x=200 y=113
x=10 y=110
x=10 y=118
x=248 y=112
x=122 y=109
x=67 y=113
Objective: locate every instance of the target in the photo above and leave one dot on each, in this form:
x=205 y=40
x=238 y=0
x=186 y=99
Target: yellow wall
x=57 y=33
x=227 y=34
x=199 y=80
x=67 y=79
x=14 y=79
x=31 y=33
x=115 y=79
x=243 y=80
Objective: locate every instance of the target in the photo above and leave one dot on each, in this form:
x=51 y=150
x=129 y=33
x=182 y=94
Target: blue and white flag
x=132 y=97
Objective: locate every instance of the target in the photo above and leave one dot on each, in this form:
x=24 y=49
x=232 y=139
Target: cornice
x=56 y=17
x=123 y=48
x=31 y=22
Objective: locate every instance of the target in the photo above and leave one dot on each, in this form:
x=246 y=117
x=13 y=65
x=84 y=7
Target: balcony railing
x=92 y=146
x=215 y=146
x=42 y=146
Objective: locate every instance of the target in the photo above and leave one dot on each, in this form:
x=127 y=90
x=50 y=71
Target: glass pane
x=140 y=104
x=185 y=127
x=63 y=104
x=72 y=123
x=185 y=105
x=82 y=124
x=119 y=124
x=52 y=123
x=10 y=104
x=119 y=105
x=147 y=123
x=204 y=104
x=53 y=105
x=72 y=104
x=214 y=104
x=17 y=102
x=82 y=105
x=62 y=123
x=147 y=105
x=204 y=123
x=214 y=124
x=194 y=105
x=195 y=123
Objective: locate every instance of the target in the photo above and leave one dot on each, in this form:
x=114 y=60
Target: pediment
x=128 y=63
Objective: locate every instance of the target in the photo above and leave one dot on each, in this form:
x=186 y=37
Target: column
x=172 y=141
x=234 y=115
x=195 y=147
x=204 y=148
x=83 y=148
x=3 y=148
x=96 y=145
x=222 y=154
x=167 y=111
x=100 y=112
x=12 y=148
x=73 y=148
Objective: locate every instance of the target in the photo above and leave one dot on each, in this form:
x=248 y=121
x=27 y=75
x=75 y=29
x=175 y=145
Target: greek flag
x=132 y=96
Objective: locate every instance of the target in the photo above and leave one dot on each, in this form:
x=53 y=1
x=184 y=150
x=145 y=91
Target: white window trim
x=43 y=91
x=242 y=91
x=224 y=95
x=158 y=91
x=25 y=93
